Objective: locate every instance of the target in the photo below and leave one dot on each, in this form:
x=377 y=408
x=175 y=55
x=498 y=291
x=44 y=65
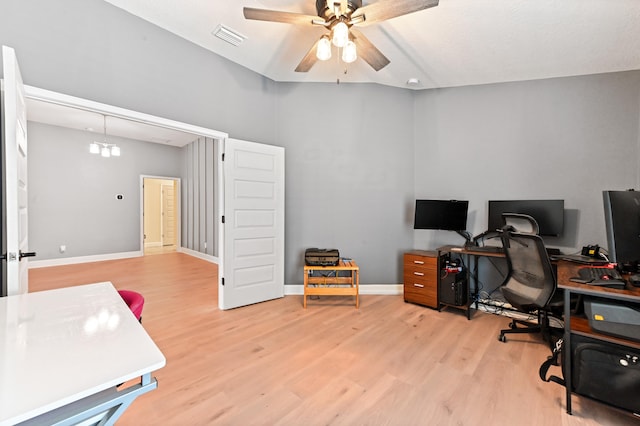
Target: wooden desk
x=579 y=325
x=64 y=351
x=330 y=284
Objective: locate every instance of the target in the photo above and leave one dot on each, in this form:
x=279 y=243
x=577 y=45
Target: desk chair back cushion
x=522 y=223
x=530 y=283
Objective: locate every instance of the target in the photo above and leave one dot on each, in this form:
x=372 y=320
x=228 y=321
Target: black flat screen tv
x=622 y=223
x=548 y=213
x=448 y=215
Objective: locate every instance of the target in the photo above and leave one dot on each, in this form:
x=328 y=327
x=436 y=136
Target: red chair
x=134 y=301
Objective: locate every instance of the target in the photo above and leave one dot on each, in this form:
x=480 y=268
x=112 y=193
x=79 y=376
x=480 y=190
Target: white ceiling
x=457 y=43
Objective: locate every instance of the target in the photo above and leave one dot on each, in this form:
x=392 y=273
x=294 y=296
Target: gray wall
x=356 y=155
x=349 y=174
x=566 y=138
x=72 y=193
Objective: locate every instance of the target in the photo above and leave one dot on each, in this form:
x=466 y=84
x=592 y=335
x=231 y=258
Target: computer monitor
x=622 y=222
x=448 y=215
x=548 y=213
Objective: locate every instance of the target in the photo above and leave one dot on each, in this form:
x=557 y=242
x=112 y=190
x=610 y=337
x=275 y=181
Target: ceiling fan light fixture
x=340 y=33
x=349 y=52
x=323 y=52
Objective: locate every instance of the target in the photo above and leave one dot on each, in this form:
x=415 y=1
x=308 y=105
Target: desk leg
x=566 y=358
x=356 y=273
x=306 y=284
x=469 y=277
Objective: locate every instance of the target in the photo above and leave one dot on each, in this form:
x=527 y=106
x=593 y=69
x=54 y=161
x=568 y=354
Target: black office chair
x=530 y=286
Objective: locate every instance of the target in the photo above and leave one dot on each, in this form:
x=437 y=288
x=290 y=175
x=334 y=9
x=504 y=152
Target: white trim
x=219 y=197
x=82 y=259
x=373 y=289
x=203 y=256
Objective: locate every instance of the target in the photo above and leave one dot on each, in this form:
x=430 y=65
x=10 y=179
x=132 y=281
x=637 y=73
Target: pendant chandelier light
x=103 y=148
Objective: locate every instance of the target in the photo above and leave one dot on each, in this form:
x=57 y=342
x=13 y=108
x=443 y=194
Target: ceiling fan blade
x=309 y=59
x=368 y=52
x=387 y=9
x=277 y=16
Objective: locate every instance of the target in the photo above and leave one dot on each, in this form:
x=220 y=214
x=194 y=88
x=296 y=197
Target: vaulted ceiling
x=457 y=43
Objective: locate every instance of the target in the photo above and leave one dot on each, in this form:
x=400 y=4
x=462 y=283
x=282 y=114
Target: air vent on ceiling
x=228 y=35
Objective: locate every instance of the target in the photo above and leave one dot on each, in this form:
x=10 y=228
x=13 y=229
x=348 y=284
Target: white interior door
x=14 y=178
x=168 y=214
x=253 y=249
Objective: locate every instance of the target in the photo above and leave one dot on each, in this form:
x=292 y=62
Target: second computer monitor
x=548 y=213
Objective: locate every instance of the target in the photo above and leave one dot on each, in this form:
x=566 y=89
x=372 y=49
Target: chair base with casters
x=542 y=326
x=134 y=301
x=554 y=309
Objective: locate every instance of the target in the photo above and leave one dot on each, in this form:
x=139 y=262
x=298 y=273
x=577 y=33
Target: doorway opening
x=160 y=214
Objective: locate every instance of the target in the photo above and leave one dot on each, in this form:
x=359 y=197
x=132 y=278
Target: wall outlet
x=205 y=245
x=63 y=248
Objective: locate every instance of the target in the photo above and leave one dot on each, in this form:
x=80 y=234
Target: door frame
x=177 y=183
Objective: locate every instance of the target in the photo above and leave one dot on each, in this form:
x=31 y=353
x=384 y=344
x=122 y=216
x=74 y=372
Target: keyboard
x=607 y=277
x=487 y=249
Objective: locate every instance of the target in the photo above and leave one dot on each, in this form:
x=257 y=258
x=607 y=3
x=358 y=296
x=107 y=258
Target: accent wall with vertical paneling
x=199 y=223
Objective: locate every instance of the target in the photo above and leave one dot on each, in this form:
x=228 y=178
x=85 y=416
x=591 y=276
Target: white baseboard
x=203 y=256
x=377 y=289
x=33 y=264
x=82 y=259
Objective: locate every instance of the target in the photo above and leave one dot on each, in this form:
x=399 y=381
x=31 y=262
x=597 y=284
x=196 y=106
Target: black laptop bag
x=603 y=371
x=321 y=257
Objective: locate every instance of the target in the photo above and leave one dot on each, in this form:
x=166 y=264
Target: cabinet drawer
x=417 y=260
x=413 y=292
x=421 y=274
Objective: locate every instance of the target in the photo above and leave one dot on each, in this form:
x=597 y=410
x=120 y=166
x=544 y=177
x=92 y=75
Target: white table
x=64 y=351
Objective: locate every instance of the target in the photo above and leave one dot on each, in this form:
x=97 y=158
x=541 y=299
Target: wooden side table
x=330 y=284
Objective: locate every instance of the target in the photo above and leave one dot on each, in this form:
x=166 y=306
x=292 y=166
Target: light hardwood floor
x=275 y=363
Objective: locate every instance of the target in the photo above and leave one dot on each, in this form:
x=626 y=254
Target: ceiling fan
x=339 y=17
